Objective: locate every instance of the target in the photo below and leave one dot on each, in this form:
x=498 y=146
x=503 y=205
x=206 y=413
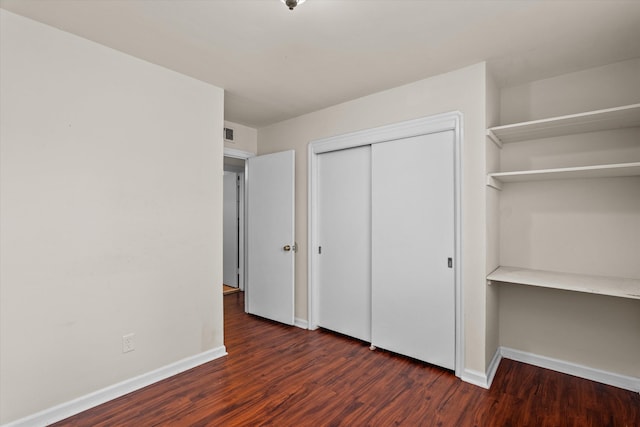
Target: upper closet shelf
x=610 y=118
x=612 y=286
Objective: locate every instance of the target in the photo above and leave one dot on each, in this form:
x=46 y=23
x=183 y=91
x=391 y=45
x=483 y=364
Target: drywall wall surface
x=584 y=226
x=461 y=90
x=233 y=165
x=110 y=216
x=493 y=219
x=608 y=86
x=244 y=138
x=596 y=331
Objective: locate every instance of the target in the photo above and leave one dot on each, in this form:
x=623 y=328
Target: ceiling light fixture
x=292 y=3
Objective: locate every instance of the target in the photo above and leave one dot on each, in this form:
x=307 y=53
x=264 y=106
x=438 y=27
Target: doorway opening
x=233 y=220
x=234 y=253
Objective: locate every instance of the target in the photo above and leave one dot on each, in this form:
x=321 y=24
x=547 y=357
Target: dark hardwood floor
x=277 y=375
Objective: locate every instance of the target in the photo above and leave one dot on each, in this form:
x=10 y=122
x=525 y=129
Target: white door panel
x=270 y=227
x=344 y=230
x=230 y=229
x=413 y=288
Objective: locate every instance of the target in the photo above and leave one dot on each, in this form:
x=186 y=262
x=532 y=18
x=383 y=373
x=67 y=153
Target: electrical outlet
x=128 y=343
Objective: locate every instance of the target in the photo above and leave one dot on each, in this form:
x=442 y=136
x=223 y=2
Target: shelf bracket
x=494 y=183
x=492 y=136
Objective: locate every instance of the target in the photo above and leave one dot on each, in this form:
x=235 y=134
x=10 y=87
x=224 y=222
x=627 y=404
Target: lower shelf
x=612 y=286
x=495 y=180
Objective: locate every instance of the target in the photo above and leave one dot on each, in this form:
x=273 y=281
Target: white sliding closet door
x=413 y=220
x=344 y=230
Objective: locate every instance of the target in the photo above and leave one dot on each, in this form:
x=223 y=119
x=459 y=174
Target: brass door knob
x=287 y=248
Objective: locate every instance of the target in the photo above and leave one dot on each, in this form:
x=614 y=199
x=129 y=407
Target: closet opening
x=406 y=231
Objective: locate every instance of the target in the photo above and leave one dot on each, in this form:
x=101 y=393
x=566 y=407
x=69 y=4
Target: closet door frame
x=451 y=121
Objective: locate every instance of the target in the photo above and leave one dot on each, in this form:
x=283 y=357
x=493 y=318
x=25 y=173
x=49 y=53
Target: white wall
x=608 y=86
x=111 y=216
x=244 y=138
x=462 y=90
x=589 y=226
x=493 y=223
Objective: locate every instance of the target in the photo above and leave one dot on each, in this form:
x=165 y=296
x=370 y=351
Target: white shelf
x=610 y=118
x=599 y=171
x=612 y=286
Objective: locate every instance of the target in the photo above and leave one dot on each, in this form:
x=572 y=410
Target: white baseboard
x=73 y=407
x=609 y=378
x=483 y=379
x=301 y=323
x=493 y=367
x=475 y=377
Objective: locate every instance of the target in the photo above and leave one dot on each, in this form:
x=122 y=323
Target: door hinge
x=450 y=262
x=319 y=250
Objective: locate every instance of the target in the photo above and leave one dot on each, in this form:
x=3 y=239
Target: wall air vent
x=228 y=134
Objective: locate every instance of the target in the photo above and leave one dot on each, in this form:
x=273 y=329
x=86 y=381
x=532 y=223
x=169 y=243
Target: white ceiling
x=276 y=64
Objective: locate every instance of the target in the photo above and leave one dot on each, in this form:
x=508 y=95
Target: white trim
x=237 y=154
x=312 y=233
x=604 y=377
x=240 y=154
x=416 y=127
x=88 y=401
x=480 y=379
x=494 y=183
x=245 y=228
x=301 y=323
x=610 y=378
x=492 y=136
x=459 y=179
x=241 y=231
x=493 y=367
x=451 y=121
x=475 y=377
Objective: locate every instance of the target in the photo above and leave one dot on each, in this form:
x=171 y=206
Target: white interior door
x=413 y=225
x=344 y=233
x=270 y=236
x=230 y=229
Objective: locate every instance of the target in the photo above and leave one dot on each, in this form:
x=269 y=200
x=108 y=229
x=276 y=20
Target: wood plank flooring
x=226 y=290
x=277 y=375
